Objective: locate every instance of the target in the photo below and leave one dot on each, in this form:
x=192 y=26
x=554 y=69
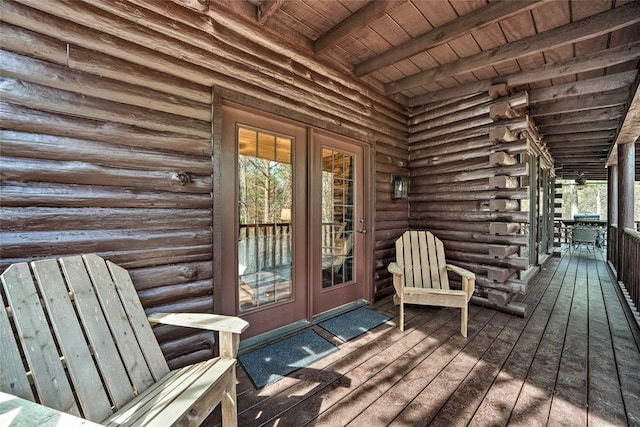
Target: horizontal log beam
x=518 y=194
x=504 y=182
x=502 y=158
x=56 y=148
x=479 y=237
x=358 y=19
x=82 y=173
x=502 y=251
x=504 y=205
x=65 y=195
x=599 y=114
x=472 y=216
x=580 y=128
x=34 y=121
x=583 y=87
x=583 y=29
x=581 y=104
x=579 y=136
x=568 y=67
x=504 y=228
x=520 y=169
x=89 y=218
x=476 y=19
x=518 y=263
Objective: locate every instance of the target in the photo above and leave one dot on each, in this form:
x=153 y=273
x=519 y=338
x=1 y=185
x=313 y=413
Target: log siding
x=465 y=185
x=108 y=139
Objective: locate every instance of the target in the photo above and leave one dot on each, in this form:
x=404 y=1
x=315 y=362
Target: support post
x=626 y=175
x=612 y=208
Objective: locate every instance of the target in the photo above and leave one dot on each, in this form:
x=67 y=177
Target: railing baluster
x=629 y=273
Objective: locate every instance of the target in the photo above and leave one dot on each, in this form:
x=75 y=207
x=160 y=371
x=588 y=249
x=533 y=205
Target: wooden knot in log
x=183 y=178
x=188 y=272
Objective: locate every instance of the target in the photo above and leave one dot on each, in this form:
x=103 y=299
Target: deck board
x=573 y=361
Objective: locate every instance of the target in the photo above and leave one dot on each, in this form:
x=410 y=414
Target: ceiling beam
x=600 y=151
x=580 y=104
x=581 y=64
x=606 y=134
x=360 y=18
x=582 y=127
x=266 y=9
x=600 y=114
x=579 y=166
x=584 y=29
x=476 y=19
x=583 y=87
x=577 y=144
x=630 y=129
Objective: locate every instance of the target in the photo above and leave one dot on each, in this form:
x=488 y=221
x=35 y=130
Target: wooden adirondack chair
x=76 y=339
x=420 y=276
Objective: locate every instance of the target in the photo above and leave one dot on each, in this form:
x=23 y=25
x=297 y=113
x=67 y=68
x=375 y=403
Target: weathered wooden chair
x=420 y=276
x=76 y=339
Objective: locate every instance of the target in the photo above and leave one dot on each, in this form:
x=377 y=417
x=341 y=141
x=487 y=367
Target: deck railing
x=629 y=268
x=264 y=246
x=612 y=244
x=268 y=245
x=561 y=233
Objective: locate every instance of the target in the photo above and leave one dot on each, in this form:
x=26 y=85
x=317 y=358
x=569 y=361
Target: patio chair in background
x=77 y=340
x=420 y=276
x=584 y=236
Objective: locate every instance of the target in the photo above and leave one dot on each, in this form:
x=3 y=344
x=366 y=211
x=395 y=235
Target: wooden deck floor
x=574 y=361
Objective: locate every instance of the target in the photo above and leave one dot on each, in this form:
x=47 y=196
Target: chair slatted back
x=585 y=235
x=86 y=347
x=421 y=255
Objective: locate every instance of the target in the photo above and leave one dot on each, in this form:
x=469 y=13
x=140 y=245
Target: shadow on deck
x=573 y=361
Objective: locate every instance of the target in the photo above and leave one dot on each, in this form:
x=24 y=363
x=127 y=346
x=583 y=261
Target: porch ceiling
x=578 y=59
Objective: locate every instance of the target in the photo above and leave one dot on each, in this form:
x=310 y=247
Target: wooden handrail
x=629 y=268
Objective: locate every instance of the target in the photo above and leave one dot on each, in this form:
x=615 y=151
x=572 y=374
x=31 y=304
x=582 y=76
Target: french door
x=338 y=222
x=292 y=221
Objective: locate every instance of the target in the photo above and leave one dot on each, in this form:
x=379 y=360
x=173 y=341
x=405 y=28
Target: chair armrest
x=20 y=412
x=395 y=269
x=211 y=322
x=461 y=271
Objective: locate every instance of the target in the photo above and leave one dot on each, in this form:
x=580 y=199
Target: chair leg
x=401 y=315
x=463 y=321
x=230 y=404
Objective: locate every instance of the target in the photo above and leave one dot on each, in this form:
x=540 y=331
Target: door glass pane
x=337 y=217
x=265 y=206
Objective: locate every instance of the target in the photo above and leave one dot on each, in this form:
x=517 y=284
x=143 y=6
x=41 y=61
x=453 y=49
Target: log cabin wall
x=392 y=216
x=465 y=186
x=109 y=133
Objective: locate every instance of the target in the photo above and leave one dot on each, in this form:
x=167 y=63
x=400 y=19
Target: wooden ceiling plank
x=594 y=61
x=593 y=26
x=365 y=14
x=588 y=153
x=586 y=143
x=584 y=87
x=611 y=113
x=582 y=127
x=580 y=104
x=585 y=136
x=477 y=19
